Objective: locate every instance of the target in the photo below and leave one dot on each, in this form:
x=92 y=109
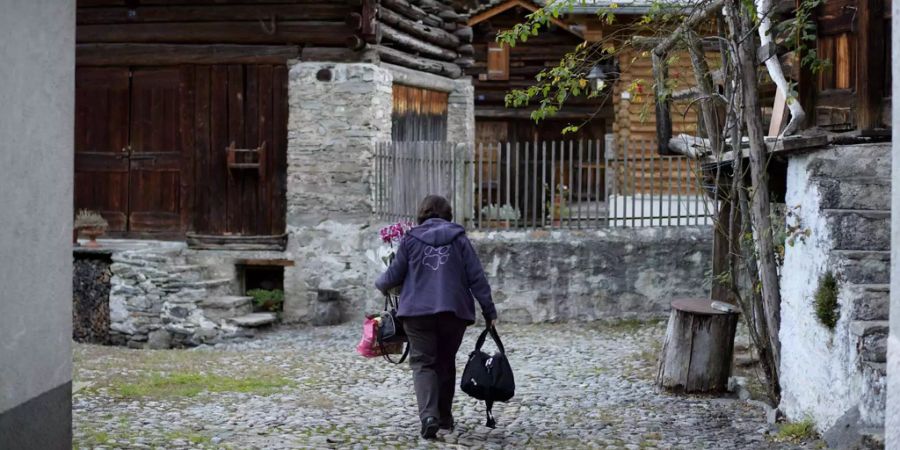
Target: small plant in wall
x=266 y=300
x=787 y=230
x=91 y=224
x=825 y=301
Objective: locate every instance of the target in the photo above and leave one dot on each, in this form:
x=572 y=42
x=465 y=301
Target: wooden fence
x=554 y=184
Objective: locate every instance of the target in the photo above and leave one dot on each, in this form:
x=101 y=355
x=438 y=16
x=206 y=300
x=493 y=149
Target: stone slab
x=254 y=320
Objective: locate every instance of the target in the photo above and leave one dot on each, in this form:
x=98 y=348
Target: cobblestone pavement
x=579 y=386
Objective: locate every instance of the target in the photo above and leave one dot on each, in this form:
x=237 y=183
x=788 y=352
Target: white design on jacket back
x=435 y=257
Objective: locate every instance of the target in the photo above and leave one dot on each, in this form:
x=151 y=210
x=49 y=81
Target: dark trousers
x=433 y=343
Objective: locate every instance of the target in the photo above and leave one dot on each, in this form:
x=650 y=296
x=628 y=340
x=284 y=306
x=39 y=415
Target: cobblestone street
x=579 y=386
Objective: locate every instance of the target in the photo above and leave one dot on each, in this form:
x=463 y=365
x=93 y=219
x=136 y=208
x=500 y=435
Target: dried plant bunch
x=90 y=219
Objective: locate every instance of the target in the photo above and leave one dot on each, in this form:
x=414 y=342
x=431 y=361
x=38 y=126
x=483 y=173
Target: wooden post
x=698 y=350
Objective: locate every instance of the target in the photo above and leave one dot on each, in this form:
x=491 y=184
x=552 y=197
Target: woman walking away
x=440 y=273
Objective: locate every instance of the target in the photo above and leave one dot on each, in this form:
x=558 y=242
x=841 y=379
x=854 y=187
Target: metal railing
x=551 y=184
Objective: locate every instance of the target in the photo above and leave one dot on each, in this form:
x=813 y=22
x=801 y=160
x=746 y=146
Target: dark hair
x=434 y=207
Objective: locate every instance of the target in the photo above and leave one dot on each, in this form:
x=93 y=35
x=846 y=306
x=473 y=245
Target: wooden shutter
x=498 y=61
x=835 y=105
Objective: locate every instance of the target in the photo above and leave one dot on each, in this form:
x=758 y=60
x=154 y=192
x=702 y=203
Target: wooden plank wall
x=635 y=121
x=246 y=105
x=419 y=115
x=308 y=22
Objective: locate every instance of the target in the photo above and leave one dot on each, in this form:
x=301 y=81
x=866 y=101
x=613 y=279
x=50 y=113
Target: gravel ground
x=578 y=386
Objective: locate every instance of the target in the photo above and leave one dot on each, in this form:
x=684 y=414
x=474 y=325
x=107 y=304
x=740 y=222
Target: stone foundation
x=606 y=274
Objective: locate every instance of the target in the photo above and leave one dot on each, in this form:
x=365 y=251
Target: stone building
x=231 y=147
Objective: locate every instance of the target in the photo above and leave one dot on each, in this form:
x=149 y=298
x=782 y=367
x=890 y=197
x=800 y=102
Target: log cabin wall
x=852 y=92
x=634 y=125
x=424 y=35
x=498 y=69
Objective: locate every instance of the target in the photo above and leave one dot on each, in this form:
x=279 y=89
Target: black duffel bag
x=488 y=378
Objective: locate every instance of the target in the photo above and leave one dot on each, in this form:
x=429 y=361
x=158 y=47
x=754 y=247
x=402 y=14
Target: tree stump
x=698 y=350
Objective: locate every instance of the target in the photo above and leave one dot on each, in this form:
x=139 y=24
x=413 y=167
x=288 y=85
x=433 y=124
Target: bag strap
x=387 y=357
x=389 y=302
x=494 y=336
x=490 y=422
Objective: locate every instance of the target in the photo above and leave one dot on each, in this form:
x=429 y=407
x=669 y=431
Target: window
x=498 y=61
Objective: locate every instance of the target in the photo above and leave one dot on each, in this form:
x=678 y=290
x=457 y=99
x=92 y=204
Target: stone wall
x=156 y=299
x=338 y=113
x=892 y=410
x=461 y=113
x=840 y=196
x=613 y=273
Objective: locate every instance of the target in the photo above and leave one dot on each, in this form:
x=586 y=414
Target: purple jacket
x=439 y=272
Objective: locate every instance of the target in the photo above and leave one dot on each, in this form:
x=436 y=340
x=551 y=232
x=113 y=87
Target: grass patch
x=797 y=431
x=826 y=302
x=191 y=384
x=193 y=438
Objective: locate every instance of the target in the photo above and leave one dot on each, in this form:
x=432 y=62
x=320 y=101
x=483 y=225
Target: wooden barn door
x=161 y=132
x=101 y=143
x=243 y=107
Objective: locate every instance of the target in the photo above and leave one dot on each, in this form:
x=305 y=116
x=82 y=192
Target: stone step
x=853 y=161
x=871 y=339
x=855 y=229
x=874 y=396
x=188 y=272
x=215 y=287
x=254 y=320
x=870 y=301
x=863 y=267
x=226 y=307
x=864 y=193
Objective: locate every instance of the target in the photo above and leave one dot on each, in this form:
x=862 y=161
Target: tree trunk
x=699 y=347
x=759 y=201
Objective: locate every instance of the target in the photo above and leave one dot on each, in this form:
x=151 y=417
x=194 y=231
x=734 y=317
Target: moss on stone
x=825 y=301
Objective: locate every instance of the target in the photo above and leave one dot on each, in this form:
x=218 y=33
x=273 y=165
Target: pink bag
x=368 y=345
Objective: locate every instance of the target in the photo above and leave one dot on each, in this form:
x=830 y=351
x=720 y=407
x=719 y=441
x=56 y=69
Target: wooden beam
x=568 y=113
x=210 y=13
x=169 y=54
x=662 y=101
x=870 y=64
x=317 y=33
x=509 y=4
x=779 y=116
x=433 y=35
x=335 y=54
x=408 y=10
x=416 y=45
x=400 y=58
